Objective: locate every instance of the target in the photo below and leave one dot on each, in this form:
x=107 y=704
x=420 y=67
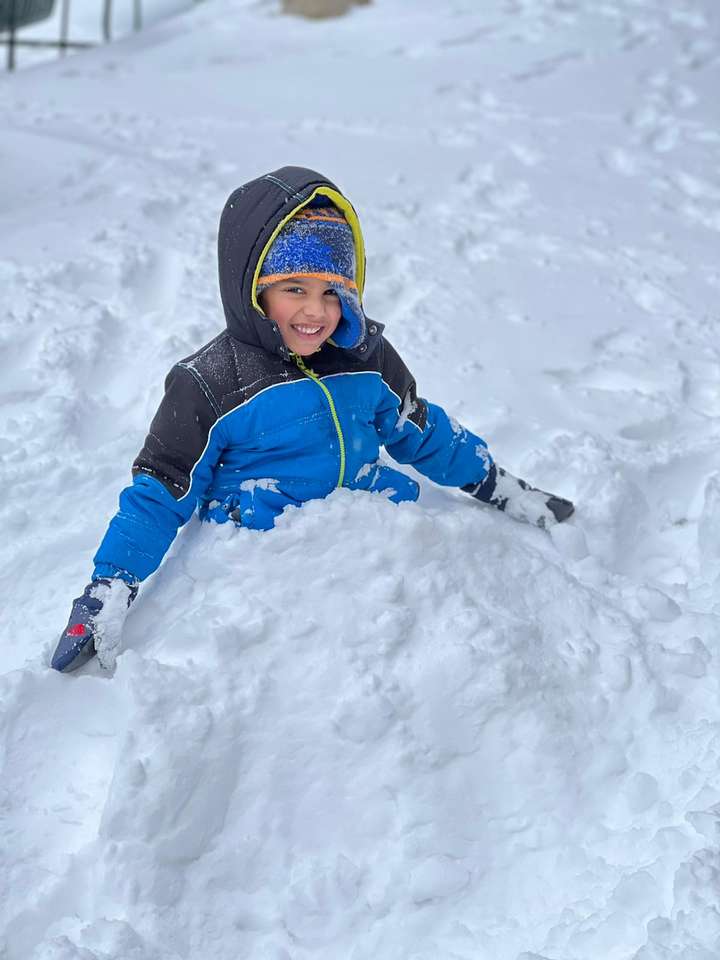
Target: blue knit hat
x=318 y=243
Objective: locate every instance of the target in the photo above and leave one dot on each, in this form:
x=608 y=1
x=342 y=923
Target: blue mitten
x=95 y=625
x=519 y=500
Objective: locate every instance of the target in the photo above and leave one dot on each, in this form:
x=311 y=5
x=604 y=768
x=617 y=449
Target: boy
x=259 y=418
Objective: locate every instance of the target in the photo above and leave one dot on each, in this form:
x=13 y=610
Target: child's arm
x=170 y=474
x=422 y=434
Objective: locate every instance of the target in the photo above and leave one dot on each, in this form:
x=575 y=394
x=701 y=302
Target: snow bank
x=417 y=732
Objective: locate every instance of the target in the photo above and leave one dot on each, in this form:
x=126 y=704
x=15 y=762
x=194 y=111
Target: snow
x=418 y=731
x=108 y=624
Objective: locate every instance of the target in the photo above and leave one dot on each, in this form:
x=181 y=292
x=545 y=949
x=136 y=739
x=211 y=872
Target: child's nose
x=314 y=306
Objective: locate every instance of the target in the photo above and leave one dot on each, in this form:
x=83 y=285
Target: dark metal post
x=107 y=20
x=11 y=42
x=64 y=24
x=137 y=15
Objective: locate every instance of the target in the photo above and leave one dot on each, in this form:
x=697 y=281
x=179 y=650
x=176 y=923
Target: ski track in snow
x=421 y=732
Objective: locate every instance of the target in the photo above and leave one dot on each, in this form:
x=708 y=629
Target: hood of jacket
x=251 y=219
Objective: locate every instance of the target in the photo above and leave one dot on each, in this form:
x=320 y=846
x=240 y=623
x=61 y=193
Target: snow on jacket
x=246 y=428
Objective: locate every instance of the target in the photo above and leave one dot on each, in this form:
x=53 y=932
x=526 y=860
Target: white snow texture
x=422 y=732
x=108 y=623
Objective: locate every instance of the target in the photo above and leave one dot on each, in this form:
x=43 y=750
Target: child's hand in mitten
x=95 y=625
x=519 y=500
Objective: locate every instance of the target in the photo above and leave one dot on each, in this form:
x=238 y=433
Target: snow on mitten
x=95 y=625
x=519 y=500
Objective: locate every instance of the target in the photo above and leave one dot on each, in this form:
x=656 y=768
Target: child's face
x=306 y=310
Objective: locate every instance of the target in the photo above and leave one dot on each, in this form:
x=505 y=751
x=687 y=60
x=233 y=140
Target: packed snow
x=378 y=732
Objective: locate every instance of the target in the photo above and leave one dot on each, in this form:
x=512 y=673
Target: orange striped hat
x=318 y=243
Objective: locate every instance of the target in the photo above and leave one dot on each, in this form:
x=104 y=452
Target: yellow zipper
x=328 y=396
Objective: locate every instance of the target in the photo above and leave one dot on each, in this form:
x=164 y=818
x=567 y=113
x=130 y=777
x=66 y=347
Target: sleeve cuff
x=114 y=573
x=486 y=488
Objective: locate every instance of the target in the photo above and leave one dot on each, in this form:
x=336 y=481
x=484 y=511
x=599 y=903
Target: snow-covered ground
x=85 y=24
x=376 y=733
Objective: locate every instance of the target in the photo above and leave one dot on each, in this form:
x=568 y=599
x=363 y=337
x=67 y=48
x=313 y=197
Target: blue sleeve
x=441 y=449
x=422 y=434
x=171 y=473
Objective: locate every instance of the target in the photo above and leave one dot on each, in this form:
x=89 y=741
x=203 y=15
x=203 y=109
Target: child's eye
x=333 y=293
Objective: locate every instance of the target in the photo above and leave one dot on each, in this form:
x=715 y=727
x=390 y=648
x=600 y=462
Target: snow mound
x=372 y=714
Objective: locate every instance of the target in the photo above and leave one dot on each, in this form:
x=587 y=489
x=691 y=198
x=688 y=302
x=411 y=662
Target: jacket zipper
x=328 y=396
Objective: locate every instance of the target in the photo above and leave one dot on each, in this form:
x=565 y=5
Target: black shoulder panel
x=231 y=372
x=178 y=433
x=397 y=376
x=198 y=391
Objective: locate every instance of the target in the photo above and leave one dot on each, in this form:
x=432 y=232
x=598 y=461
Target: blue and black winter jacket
x=246 y=428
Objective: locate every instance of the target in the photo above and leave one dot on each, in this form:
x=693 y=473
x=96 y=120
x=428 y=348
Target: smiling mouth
x=307 y=329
